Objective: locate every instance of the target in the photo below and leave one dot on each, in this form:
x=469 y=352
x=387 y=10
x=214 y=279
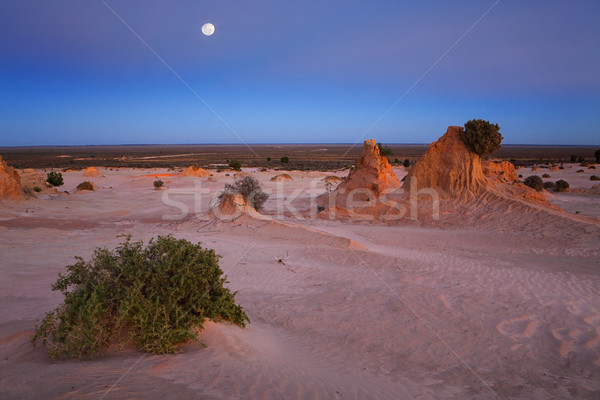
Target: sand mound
x=332 y=179
x=502 y=171
x=281 y=177
x=554 y=168
x=232 y=206
x=448 y=166
x=536 y=168
x=91 y=172
x=195 y=171
x=10 y=183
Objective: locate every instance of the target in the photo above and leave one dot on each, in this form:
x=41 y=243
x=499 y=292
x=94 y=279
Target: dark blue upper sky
x=296 y=71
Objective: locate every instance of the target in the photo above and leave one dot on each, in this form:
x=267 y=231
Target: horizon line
x=272 y=144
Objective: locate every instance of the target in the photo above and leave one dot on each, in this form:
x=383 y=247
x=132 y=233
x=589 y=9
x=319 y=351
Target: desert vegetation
x=534 y=182
x=153 y=297
x=55 y=178
x=250 y=190
x=482 y=137
x=158 y=184
x=385 y=150
x=85 y=185
x=561 y=186
x=235 y=164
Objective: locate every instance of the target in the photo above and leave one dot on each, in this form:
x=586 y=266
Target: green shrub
x=158 y=184
x=235 y=164
x=37 y=189
x=285 y=159
x=385 y=151
x=153 y=297
x=250 y=190
x=548 y=185
x=85 y=185
x=54 y=178
x=269 y=159
x=481 y=136
x=534 y=182
x=546 y=176
x=594 y=178
x=573 y=157
x=561 y=186
x=597 y=155
x=406 y=163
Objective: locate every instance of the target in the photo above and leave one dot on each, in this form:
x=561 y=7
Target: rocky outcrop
x=31 y=180
x=502 y=171
x=372 y=172
x=448 y=166
x=359 y=195
x=10 y=183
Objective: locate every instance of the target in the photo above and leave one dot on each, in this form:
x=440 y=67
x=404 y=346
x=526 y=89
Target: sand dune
x=499 y=298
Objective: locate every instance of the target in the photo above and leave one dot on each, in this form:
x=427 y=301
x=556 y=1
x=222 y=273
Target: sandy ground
x=352 y=311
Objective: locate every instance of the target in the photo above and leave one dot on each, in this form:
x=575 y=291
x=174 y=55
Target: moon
x=208 y=29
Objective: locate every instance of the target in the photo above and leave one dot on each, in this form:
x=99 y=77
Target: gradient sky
x=296 y=71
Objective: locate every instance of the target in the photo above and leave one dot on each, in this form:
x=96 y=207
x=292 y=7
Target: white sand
x=354 y=311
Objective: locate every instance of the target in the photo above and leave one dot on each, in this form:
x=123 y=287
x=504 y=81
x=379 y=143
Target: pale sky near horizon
x=72 y=73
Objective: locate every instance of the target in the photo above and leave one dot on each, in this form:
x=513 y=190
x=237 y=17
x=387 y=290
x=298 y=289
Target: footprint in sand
x=519 y=328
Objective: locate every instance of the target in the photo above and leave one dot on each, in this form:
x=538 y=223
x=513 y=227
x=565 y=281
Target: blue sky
x=296 y=72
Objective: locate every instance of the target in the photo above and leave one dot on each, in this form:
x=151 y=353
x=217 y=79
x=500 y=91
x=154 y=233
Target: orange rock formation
x=10 y=183
x=195 y=171
x=372 y=172
x=448 y=166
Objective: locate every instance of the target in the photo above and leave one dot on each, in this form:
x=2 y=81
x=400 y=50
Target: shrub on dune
x=250 y=190
x=55 y=178
x=534 y=182
x=561 y=186
x=86 y=185
x=154 y=297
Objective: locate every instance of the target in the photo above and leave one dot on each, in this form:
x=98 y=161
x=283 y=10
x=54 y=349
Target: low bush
x=285 y=159
x=85 y=185
x=548 y=185
x=385 y=151
x=158 y=184
x=37 y=189
x=580 y=171
x=250 y=190
x=55 y=178
x=561 y=186
x=594 y=178
x=235 y=164
x=406 y=163
x=534 y=182
x=153 y=297
x=546 y=176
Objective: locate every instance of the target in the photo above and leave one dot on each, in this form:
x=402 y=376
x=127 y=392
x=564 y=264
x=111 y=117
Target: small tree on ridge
x=482 y=137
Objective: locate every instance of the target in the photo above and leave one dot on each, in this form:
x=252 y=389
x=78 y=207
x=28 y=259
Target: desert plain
x=491 y=299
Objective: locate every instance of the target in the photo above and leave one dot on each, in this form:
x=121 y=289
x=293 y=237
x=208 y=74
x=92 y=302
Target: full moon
x=208 y=29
